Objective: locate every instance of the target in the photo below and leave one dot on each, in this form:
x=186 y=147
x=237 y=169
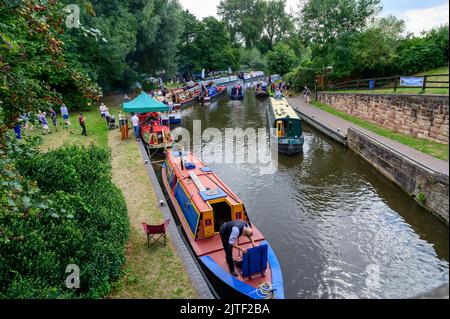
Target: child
x=82 y=121
x=44 y=123
x=54 y=118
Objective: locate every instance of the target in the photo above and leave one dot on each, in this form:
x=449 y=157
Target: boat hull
x=262 y=94
x=210 y=98
x=237 y=97
x=224 y=283
x=288 y=149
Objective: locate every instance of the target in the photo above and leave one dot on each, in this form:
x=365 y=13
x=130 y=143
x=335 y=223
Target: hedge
x=75 y=215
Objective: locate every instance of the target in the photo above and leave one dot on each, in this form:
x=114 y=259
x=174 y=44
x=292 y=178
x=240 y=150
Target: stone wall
x=429 y=188
x=423 y=116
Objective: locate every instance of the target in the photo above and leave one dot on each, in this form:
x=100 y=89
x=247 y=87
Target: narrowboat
x=252 y=76
x=202 y=203
x=286 y=125
x=237 y=93
x=155 y=131
x=184 y=97
x=175 y=117
x=262 y=90
x=212 y=91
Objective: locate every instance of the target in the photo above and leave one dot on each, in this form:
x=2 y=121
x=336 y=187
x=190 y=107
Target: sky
x=418 y=15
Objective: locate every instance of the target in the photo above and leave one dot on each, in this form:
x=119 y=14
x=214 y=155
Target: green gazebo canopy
x=144 y=103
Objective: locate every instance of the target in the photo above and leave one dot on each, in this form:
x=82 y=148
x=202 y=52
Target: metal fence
x=430 y=81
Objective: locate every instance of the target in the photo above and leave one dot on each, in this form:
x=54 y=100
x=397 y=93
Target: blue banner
x=412 y=81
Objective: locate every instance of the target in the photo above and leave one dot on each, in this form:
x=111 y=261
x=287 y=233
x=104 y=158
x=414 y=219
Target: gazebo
x=144 y=103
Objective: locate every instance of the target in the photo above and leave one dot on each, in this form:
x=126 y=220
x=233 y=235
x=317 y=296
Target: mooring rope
x=265 y=291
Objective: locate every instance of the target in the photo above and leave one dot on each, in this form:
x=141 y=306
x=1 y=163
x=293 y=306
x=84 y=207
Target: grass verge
x=155 y=272
x=437 y=150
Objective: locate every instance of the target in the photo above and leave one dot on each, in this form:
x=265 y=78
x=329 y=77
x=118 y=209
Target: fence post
x=357 y=85
x=424 y=85
x=345 y=84
x=395 y=83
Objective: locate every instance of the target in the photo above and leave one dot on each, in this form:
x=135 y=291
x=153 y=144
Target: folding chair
x=155 y=233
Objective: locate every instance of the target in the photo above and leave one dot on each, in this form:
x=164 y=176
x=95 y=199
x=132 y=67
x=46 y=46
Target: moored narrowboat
x=237 y=93
x=155 y=132
x=184 y=97
x=211 y=91
x=286 y=125
x=262 y=89
x=203 y=203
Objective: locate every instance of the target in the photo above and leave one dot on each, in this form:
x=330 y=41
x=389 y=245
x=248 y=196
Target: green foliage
x=417 y=54
x=251 y=59
x=72 y=214
x=301 y=77
x=322 y=21
x=281 y=60
x=242 y=19
x=36 y=72
x=206 y=44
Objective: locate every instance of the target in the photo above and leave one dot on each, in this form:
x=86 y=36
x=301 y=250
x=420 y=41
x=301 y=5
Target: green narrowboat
x=286 y=127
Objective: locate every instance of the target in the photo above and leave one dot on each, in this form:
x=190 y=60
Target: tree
x=251 y=59
x=325 y=20
x=375 y=49
x=243 y=19
x=189 y=56
x=418 y=54
x=214 y=46
x=158 y=53
x=277 y=23
x=35 y=71
x=281 y=60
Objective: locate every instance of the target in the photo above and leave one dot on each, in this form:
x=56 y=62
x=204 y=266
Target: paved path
x=337 y=128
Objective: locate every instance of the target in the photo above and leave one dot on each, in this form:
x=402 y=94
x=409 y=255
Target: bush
x=71 y=214
x=419 y=54
x=281 y=60
x=300 y=77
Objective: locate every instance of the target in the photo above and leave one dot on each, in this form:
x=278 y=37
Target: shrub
x=300 y=77
x=417 y=54
x=281 y=59
x=71 y=214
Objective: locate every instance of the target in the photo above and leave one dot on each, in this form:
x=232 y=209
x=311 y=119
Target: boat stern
x=270 y=286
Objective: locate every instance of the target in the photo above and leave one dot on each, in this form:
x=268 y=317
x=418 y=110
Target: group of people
x=28 y=120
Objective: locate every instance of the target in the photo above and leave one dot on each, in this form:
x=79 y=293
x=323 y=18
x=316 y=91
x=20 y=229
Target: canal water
x=339 y=228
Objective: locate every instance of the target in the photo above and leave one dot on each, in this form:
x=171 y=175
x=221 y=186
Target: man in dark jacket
x=229 y=233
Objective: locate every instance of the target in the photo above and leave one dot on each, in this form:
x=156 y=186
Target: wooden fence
x=431 y=81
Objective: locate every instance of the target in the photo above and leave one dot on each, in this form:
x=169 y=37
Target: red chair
x=156 y=233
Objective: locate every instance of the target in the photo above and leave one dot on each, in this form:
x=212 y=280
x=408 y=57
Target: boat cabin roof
x=199 y=181
x=282 y=109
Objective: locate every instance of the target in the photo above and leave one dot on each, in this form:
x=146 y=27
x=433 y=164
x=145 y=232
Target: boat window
x=222 y=214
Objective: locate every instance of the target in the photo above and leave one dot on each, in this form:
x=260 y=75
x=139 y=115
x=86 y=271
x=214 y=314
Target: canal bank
x=421 y=176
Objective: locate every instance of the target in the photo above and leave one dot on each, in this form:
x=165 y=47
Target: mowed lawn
x=149 y=273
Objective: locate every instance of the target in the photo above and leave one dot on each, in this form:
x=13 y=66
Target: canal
x=339 y=228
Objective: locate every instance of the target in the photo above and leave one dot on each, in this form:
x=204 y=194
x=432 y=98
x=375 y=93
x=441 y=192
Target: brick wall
x=423 y=116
